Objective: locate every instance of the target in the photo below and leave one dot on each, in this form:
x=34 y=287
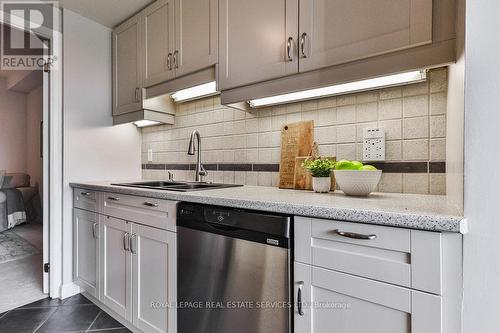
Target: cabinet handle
x=114 y=198
x=289 y=43
x=137 y=92
x=126 y=241
x=169 y=61
x=354 y=235
x=133 y=243
x=150 y=204
x=176 y=59
x=303 y=45
x=86 y=194
x=94 y=230
x=300 y=310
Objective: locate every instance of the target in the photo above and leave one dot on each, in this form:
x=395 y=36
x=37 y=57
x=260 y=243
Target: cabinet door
x=154 y=276
x=196 y=28
x=116 y=266
x=127 y=81
x=158 y=42
x=253 y=37
x=338 y=31
x=86 y=269
x=351 y=304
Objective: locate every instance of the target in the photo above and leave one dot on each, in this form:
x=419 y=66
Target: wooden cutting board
x=303 y=178
x=296 y=140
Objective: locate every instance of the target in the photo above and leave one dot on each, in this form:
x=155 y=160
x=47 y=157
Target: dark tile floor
x=74 y=314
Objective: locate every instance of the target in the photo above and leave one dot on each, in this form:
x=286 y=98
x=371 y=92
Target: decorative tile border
x=388 y=167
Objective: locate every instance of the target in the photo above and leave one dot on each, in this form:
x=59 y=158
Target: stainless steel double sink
x=177 y=186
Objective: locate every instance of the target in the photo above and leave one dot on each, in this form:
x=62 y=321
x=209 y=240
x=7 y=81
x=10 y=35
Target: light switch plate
x=150 y=155
x=373 y=144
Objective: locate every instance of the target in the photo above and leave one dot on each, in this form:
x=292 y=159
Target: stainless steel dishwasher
x=234 y=271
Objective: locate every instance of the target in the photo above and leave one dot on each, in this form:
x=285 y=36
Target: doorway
x=24 y=223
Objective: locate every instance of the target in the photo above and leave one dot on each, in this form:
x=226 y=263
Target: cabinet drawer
x=86 y=199
x=148 y=211
x=398 y=256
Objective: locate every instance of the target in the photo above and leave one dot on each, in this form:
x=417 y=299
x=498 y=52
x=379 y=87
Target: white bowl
x=358 y=182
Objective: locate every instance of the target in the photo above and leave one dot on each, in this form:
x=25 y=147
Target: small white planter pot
x=322 y=184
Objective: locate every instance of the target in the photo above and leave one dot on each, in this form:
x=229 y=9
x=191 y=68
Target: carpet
x=13 y=247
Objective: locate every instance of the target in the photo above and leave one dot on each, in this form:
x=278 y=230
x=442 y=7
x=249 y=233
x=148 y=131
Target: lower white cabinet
x=328 y=301
x=116 y=266
x=86 y=246
x=129 y=267
x=154 y=279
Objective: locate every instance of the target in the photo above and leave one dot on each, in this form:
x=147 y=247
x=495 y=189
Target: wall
x=413 y=116
x=12 y=130
x=93 y=148
x=482 y=156
x=34 y=115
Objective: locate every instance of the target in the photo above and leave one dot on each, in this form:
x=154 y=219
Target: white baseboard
x=69 y=289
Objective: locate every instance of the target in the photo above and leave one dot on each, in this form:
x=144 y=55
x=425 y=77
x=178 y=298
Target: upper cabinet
x=127 y=78
x=257 y=41
x=333 y=32
x=159 y=41
x=328 y=42
x=196 y=31
x=166 y=40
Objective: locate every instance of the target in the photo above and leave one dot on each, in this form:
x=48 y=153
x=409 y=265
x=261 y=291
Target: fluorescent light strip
x=201 y=90
x=145 y=123
x=379 y=82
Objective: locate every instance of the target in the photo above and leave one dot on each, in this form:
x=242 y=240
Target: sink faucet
x=200 y=170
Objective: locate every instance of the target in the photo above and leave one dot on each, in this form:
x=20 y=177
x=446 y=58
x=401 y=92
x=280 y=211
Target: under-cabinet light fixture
x=202 y=90
x=379 y=82
x=145 y=123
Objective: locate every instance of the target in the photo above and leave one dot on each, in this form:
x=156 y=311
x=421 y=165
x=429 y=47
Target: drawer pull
x=150 y=204
x=354 y=235
x=85 y=194
x=300 y=310
x=114 y=198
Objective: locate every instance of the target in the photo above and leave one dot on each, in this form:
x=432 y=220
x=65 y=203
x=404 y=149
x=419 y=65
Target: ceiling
x=106 y=12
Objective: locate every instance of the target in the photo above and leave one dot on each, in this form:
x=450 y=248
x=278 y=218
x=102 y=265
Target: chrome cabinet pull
x=86 y=194
x=299 y=298
x=137 y=94
x=354 y=235
x=150 y=204
x=289 y=43
x=94 y=230
x=126 y=241
x=176 y=59
x=303 y=45
x=114 y=198
x=169 y=61
x=133 y=243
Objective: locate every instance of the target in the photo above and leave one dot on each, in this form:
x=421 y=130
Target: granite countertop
x=424 y=212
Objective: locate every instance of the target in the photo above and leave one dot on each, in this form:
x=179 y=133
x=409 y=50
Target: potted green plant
x=320 y=169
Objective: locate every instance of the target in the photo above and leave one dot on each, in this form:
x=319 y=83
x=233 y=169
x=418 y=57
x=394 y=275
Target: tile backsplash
x=242 y=147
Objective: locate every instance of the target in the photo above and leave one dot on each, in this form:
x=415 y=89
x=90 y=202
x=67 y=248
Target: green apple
x=343 y=165
x=356 y=165
x=368 y=168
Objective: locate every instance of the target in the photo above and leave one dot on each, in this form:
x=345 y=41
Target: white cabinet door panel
x=127 y=78
x=154 y=279
x=340 y=31
x=116 y=266
x=253 y=40
x=86 y=266
x=196 y=29
x=158 y=42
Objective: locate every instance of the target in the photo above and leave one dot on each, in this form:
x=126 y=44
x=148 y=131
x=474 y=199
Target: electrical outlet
x=373 y=144
x=150 y=155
